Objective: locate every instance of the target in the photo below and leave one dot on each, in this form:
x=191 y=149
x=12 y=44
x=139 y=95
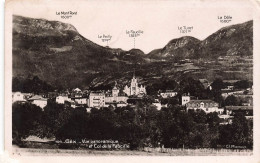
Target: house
x=88 y=110
x=96 y=99
x=115 y=97
x=76 y=93
x=76 y=90
x=227 y=118
x=238 y=93
x=61 y=99
x=208 y=106
x=27 y=95
x=18 y=97
x=228 y=88
x=185 y=99
x=80 y=100
x=72 y=104
x=158 y=105
x=122 y=104
x=164 y=105
x=231 y=110
x=168 y=93
x=38 y=100
x=226 y=93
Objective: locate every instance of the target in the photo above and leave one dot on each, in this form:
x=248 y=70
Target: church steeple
x=115 y=90
x=115 y=87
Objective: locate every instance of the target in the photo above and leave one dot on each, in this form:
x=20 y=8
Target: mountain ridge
x=58 y=54
x=202 y=46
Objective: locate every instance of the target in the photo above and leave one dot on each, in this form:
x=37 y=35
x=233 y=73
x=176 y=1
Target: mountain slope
x=179 y=48
x=231 y=40
x=59 y=55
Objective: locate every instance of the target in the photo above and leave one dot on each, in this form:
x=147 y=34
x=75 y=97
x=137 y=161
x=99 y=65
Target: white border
x=133 y=159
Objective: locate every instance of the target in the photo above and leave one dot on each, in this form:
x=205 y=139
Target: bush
x=26 y=118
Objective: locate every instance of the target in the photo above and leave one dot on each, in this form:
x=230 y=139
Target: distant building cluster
x=92 y=99
x=117 y=97
x=29 y=97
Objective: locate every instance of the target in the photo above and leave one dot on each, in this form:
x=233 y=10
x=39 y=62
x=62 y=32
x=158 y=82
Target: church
x=134 y=89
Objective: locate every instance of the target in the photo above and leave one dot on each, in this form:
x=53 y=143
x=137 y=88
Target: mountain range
x=58 y=54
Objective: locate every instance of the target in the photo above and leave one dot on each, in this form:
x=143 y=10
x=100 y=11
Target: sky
x=159 y=20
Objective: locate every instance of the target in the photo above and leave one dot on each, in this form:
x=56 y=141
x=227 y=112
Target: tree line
x=140 y=126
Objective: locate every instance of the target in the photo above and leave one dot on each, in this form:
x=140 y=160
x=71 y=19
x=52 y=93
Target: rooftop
x=37 y=97
x=204 y=101
x=239 y=107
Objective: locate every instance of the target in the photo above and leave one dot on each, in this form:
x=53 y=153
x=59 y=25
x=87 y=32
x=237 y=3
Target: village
x=118 y=98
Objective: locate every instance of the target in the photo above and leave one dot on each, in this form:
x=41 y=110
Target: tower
x=115 y=91
x=127 y=90
x=134 y=86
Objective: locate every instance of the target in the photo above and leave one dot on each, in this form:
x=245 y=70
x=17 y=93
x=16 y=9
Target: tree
x=199 y=116
x=26 y=119
x=243 y=84
x=35 y=85
x=218 y=84
x=238 y=133
x=173 y=101
x=176 y=127
x=163 y=85
x=225 y=135
x=240 y=129
x=54 y=117
x=231 y=101
x=76 y=127
x=194 y=87
x=213 y=119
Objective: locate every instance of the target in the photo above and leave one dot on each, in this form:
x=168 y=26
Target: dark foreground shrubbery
x=141 y=126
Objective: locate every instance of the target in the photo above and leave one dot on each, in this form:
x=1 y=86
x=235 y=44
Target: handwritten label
x=133 y=33
x=105 y=37
x=185 y=29
x=66 y=14
x=225 y=19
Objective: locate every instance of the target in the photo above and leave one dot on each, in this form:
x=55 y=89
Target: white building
x=38 y=100
x=81 y=100
x=208 y=106
x=168 y=93
x=115 y=98
x=122 y=104
x=62 y=99
x=18 y=97
x=76 y=93
x=96 y=99
x=185 y=99
x=134 y=89
x=158 y=105
x=76 y=90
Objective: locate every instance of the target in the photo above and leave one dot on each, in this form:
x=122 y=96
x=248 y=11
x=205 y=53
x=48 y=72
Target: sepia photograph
x=140 y=78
